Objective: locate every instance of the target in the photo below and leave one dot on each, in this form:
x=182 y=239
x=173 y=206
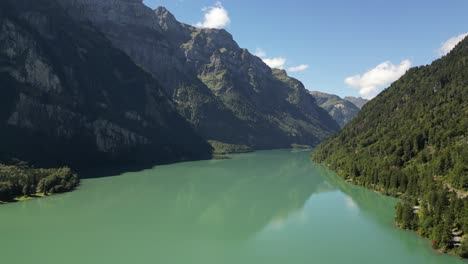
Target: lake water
x=263 y=207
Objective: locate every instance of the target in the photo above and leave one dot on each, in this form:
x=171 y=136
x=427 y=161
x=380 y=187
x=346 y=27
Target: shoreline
x=215 y=156
x=20 y=199
x=436 y=250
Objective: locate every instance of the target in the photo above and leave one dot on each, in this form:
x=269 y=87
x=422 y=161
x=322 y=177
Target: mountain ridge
x=225 y=92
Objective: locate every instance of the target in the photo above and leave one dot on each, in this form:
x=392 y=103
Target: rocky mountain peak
x=162 y=11
x=120 y=12
x=279 y=72
x=166 y=19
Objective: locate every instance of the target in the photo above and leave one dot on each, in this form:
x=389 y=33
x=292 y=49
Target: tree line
x=22 y=180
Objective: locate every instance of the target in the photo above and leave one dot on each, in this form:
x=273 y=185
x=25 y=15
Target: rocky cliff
x=70 y=97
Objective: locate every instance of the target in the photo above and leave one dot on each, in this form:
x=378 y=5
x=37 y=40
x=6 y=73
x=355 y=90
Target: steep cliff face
x=340 y=109
x=135 y=29
x=70 y=97
x=228 y=94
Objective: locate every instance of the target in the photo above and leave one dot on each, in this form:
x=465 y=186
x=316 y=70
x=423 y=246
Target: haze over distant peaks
x=341 y=110
x=357 y=101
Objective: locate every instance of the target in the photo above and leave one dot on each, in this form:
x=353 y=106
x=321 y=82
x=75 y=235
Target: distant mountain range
x=358 y=101
x=342 y=110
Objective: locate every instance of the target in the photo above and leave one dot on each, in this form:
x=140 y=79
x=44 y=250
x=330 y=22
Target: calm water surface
x=263 y=207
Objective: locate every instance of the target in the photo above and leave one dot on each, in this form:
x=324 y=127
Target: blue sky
x=368 y=43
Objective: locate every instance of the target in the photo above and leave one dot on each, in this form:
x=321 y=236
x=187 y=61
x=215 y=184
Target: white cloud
x=375 y=80
x=260 y=53
x=215 y=17
x=448 y=45
x=278 y=62
x=298 y=68
x=275 y=63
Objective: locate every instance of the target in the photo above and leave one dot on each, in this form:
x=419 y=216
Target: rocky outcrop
x=225 y=92
x=70 y=97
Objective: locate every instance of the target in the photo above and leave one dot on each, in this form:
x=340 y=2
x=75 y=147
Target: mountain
x=341 y=110
x=226 y=93
x=69 y=97
x=357 y=101
x=411 y=141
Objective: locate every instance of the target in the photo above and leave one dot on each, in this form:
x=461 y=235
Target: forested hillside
x=411 y=141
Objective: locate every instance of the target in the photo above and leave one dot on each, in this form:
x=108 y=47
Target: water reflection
x=369 y=202
x=266 y=207
x=217 y=200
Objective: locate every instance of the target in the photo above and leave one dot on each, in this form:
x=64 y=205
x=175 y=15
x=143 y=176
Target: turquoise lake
x=262 y=207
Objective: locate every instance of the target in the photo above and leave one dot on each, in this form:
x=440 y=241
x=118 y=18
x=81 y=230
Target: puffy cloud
x=448 y=45
x=275 y=63
x=278 y=62
x=260 y=53
x=298 y=68
x=215 y=17
x=375 y=80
